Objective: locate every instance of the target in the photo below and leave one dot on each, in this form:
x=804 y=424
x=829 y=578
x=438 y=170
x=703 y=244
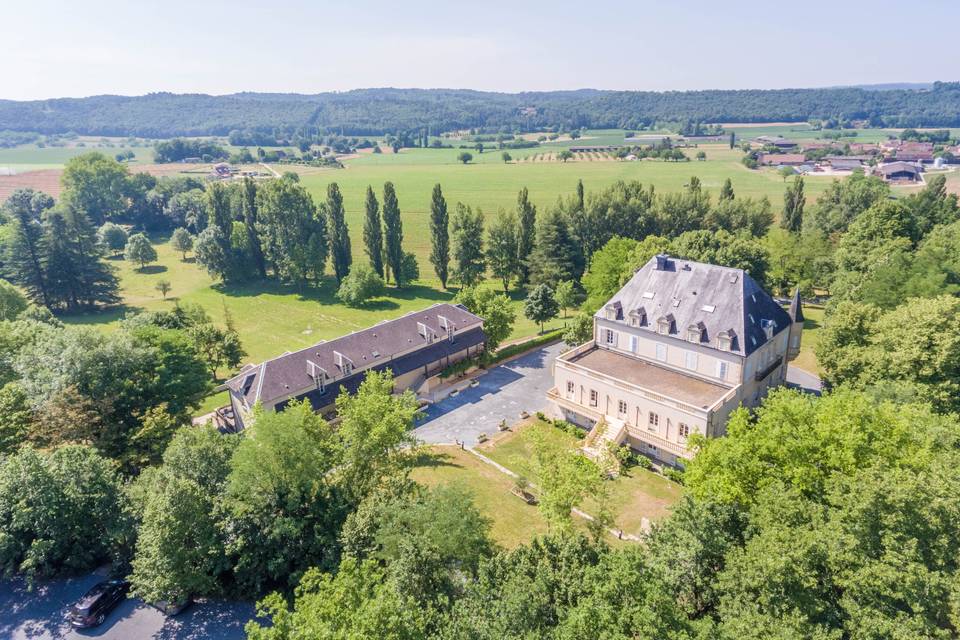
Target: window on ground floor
x=593 y=398
x=611 y=337
x=653 y=421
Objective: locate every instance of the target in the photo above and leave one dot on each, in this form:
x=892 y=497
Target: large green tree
x=526 y=231
x=338 y=232
x=249 y=195
x=439 y=236
x=468 y=255
x=393 y=233
x=96 y=185
x=496 y=309
x=793 y=202
x=502 y=251
x=293 y=236
x=60 y=511
x=373 y=232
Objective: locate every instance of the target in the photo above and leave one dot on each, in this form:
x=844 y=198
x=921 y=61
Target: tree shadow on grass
x=326 y=292
x=809 y=323
x=419 y=292
x=104 y=315
x=427 y=459
x=152 y=268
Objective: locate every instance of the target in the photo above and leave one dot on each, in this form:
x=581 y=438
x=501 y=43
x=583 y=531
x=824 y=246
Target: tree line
x=369 y=112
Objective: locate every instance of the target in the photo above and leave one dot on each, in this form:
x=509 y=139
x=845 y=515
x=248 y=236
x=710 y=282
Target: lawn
x=812 y=322
x=513 y=522
x=636 y=494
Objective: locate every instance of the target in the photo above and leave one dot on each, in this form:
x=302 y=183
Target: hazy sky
x=131 y=47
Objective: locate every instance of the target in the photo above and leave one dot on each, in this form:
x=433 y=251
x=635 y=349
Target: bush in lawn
x=642 y=461
x=358 y=286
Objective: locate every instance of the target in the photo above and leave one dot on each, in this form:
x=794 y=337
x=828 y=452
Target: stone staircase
x=606 y=434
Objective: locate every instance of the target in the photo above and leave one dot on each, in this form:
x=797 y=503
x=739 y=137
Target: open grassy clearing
x=270 y=317
x=635 y=494
x=513 y=522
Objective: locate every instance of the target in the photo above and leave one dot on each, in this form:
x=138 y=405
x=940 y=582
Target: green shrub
x=642 y=461
x=673 y=474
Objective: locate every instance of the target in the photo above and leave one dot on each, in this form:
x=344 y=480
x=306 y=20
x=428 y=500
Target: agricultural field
x=273 y=318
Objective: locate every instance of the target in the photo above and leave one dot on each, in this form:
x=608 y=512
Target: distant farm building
x=778 y=142
x=844 y=163
x=781 y=159
x=899 y=172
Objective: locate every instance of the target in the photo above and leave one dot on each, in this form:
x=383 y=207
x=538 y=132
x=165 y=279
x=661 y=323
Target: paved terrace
x=659 y=380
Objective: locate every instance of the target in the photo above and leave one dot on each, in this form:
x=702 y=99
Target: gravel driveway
x=503 y=392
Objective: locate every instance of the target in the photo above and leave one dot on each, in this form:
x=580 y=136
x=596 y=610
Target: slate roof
x=684 y=292
x=397 y=344
x=897 y=167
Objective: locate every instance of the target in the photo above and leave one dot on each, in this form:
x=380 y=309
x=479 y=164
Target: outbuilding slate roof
x=393 y=343
x=711 y=298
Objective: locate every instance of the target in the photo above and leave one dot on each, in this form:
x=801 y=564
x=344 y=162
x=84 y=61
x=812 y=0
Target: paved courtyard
x=502 y=393
x=38 y=614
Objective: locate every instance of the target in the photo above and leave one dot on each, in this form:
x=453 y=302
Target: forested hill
x=376 y=111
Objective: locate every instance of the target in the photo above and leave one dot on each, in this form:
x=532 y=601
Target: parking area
x=39 y=614
x=501 y=394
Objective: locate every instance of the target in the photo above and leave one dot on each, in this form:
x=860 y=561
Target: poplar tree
x=439 y=236
x=221 y=217
x=793 y=201
x=526 y=233
x=393 y=233
x=468 y=245
x=338 y=233
x=250 y=221
x=373 y=233
x=726 y=191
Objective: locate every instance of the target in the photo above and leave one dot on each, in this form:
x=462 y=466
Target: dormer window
x=613 y=311
x=342 y=361
x=638 y=317
x=665 y=324
x=695 y=332
x=725 y=340
x=768 y=326
x=425 y=331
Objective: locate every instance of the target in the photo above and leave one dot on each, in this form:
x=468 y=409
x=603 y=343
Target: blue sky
x=52 y=49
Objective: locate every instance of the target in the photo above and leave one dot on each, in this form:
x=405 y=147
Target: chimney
x=663 y=260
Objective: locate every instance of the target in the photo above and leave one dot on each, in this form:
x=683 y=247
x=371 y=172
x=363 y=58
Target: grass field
x=513 y=522
x=812 y=323
x=273 y=318
x=635 y=494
